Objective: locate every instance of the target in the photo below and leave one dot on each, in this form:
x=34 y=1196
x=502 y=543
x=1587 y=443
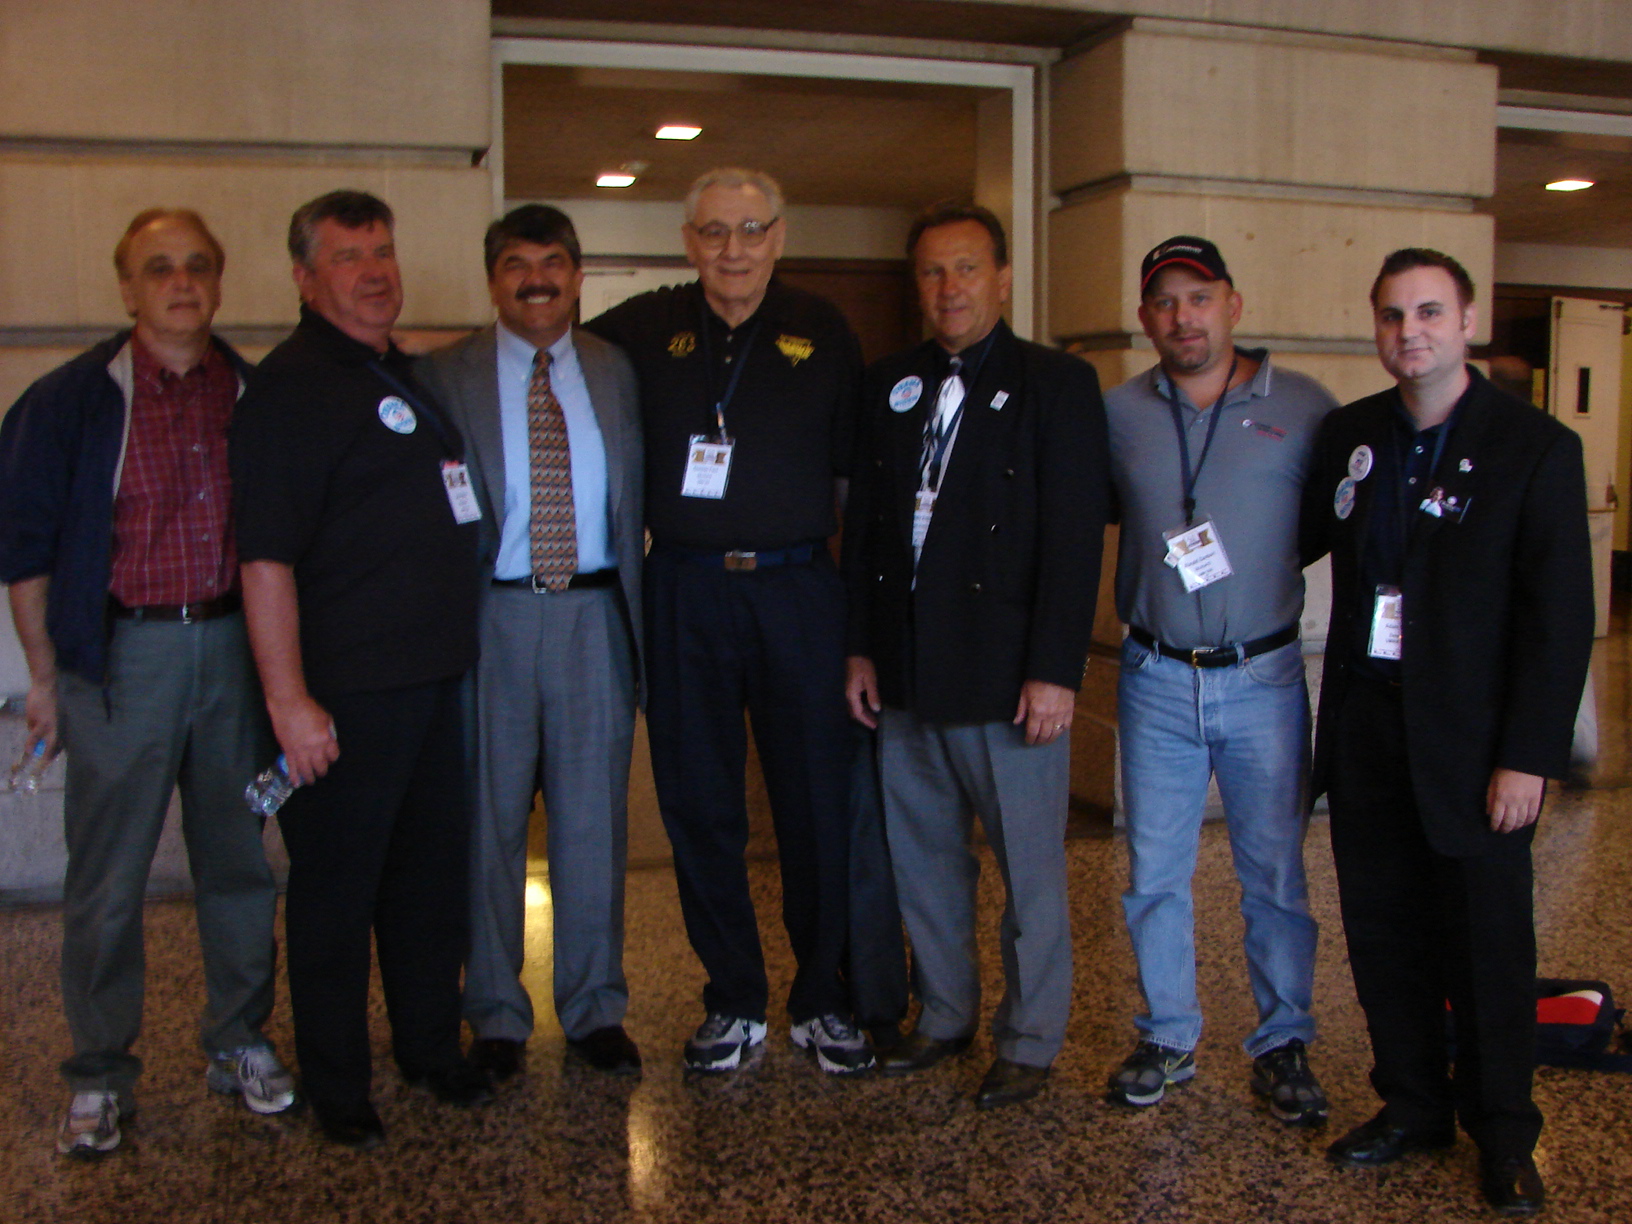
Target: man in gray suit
x=550 y=417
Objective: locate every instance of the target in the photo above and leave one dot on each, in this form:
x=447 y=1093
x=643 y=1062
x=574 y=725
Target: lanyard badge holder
x=1195 y=550
x=708 y=456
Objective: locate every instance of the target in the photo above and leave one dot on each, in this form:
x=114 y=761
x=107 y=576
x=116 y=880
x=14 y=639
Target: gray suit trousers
x=182 y=705
x=936 y=779
x=555 y=711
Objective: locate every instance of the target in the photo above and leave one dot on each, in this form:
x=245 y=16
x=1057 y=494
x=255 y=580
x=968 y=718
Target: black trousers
x=770 y=641
x=380 y=843
x=1424 y=928
x=877 y=966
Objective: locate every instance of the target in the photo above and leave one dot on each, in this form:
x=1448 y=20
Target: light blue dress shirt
x=590 y=495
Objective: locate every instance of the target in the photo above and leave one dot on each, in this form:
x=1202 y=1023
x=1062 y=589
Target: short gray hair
x=735 y=177
x=352 y=210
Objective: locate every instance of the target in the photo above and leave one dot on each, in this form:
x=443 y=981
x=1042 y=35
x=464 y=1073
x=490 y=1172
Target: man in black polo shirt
x=748 y=392
x=357 y=534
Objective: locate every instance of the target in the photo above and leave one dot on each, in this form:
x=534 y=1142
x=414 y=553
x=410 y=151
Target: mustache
x=550 y=292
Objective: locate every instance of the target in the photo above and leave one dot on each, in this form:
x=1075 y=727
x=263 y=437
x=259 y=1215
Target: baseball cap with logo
x=1195 y=253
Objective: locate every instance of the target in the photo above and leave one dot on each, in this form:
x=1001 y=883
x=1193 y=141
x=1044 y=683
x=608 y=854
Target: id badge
x=461 y=497
x=1386 y=623
x=1198 y=554
x=708 y=467
x=923 y=509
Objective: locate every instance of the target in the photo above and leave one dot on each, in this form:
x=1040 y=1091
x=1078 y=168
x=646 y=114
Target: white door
x=1584 y=391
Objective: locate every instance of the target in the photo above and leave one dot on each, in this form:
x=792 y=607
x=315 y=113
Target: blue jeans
x=1248 y=725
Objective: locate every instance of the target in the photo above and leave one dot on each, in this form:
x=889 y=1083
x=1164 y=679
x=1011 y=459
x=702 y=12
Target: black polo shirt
x=387 y=581
x=792 y=412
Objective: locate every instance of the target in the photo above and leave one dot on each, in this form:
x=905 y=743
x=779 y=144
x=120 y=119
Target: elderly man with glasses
x=748 y=395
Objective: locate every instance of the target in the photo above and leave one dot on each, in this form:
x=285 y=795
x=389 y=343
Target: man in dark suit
x=972 y=545
x=556 y=468
x=1462 y=623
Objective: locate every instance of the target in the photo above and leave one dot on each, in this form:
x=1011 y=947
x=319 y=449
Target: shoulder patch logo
x=682 y=344
x=794 y=348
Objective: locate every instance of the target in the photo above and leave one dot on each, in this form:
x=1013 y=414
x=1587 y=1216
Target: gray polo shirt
x=1249 y=487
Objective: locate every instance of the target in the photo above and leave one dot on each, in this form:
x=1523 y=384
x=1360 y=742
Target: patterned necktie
x=552 y=528
x=947 y=400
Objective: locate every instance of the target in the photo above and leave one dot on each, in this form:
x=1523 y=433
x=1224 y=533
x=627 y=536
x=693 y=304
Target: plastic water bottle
x=24 y=777
x=271 y=787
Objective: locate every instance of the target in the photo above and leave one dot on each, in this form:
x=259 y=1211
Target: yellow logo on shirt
x=795 y=348
x=682 y=344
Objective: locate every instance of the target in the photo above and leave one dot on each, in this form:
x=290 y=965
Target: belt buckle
x=1206 y=656
x=538 y=586
x=187 y=611
x=739 y=561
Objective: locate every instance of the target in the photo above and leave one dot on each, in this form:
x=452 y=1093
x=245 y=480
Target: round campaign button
x=397 y=416
x=1343 y=503
x=906 y=392
x=1360 y=462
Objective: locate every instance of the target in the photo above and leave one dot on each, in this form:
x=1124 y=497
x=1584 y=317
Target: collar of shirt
x=516 y=356
x=348 y=349
x=148 y=368
x=1255 y=387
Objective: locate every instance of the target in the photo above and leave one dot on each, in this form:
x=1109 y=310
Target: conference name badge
x=708 y=467
x=905 y=393
x=461 y=497
x=1198 y=554
x=396 y=416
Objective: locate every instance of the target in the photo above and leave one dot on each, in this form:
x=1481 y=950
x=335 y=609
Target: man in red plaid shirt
x=116 y=541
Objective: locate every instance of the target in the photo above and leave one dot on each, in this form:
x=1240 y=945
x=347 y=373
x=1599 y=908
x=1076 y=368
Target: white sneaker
x=91 y=1128
x=254 y=1073
x=719 y=1041
x=839 y=1047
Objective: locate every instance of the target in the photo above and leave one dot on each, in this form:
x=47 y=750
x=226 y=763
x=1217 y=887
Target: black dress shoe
x=500 y=1057
x=455 y=1084
x=353 y=1125
x=607 y=1049
x=1380 y=1142
x=1008 y=1083
x=918 y=1052
x=886 y=1036
x=1511 y=1185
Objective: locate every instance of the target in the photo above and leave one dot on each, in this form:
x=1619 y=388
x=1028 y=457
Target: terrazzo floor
x=781 y=1142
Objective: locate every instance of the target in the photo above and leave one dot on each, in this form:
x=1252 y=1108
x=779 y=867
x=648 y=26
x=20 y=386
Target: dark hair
x=146 y=218
x=535 y=223
x=1407 y=258
x=352 y=209
x=948 y=212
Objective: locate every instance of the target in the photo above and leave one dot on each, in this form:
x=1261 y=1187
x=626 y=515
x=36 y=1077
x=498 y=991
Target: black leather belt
x=740 y=561
x=187 y=613
x=579 y=582
x=1217 y=656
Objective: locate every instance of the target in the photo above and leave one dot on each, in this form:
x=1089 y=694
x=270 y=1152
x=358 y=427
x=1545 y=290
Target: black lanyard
x=451 y=443
x=737 y=364
x=1190 y=478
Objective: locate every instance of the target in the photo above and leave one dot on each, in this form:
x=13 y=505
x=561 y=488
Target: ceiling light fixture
x=615 y=180
x=1569 y=185
x=678 y=131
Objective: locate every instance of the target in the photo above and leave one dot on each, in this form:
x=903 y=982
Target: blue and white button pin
x=905 y=393
x=397 y=416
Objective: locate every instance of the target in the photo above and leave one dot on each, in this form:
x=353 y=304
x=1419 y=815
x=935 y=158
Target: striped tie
x=947 y=401
x=552 y=529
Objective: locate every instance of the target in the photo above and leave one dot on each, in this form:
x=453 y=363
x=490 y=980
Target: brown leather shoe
x=607 y=1049
x=918 y=1052
x=1009 y=1083
x=498 y=1056
x=1512 y=1186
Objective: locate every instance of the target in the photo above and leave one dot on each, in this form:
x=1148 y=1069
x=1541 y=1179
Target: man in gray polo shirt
x=1209 y=452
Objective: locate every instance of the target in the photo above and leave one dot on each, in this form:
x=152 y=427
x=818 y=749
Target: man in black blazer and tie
x=556 y=467
x=1462 y=623
x=972 y=547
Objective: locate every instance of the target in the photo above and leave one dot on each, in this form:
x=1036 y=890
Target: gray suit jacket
x=464 y=378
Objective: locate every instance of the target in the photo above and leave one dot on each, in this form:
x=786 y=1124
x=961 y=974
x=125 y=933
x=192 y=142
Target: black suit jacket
x=1498 y=606
x=1010 y=567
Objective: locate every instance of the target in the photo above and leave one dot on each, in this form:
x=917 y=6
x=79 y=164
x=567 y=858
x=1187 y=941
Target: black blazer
x=1010 y=567
x=1498 y=606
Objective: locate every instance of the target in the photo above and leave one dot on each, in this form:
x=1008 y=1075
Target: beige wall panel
x=60 y=219
x=1347 y=376
x=1305 y=269
x=411 y=72
x=21 y=366
x=1268 y=112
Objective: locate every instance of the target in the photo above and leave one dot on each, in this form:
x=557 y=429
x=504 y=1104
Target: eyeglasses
x=716 y=234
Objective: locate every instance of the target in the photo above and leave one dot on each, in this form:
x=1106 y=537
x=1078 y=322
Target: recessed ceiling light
x=678 y=131
x=615 y=180
x=1569 y=185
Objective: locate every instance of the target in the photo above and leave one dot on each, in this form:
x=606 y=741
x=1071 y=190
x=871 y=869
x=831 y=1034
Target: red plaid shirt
x=172 y=517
